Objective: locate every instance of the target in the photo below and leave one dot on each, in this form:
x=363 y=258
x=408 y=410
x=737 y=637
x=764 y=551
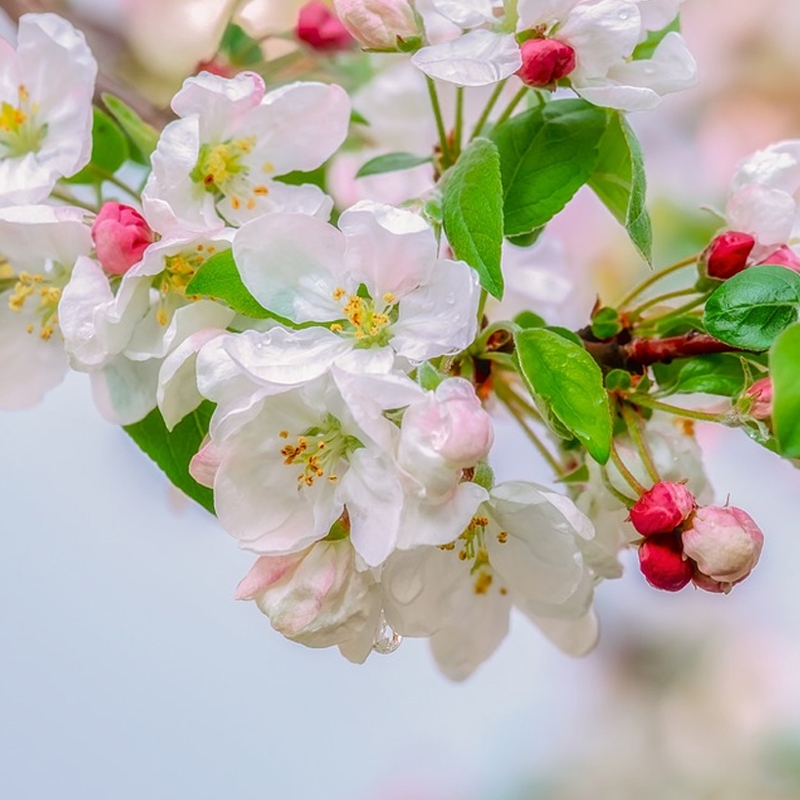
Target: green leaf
x=654 y=38
x=173 y=450
x=718 y=373
x=564 y=378
x=526 y=239
x=109 y=150
x=784 y=363
x=528 y=319
x=239 y=48
x=546 y=155
x=391 y=162
x=219 y=279
x=473 y=212
x=605 y=323
x=750 y=309
x=618 y=179
x=143 y=136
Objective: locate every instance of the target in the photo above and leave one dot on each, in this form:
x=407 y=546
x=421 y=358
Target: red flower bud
x=120 y=235
x=727 y=254
x=760 y=394
x=662 y=562
x=725 y=542
x=783 y=257
x=662 y=508
x=544 y=61
x=320 y=28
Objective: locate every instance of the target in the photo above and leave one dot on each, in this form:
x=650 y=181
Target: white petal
x=575 y=637
x=389 y=249
x=608 y=94
x=767 y=214
x=125 y=391
x=292 y=264
x=775 y=167
x=542 y=12
x=466 y=13
x=439 y=318
x=477 y=58
x=671 y=68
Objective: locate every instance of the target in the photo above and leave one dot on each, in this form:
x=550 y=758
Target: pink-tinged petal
x=768 y=214
x=301 y=125
x=220 y=103
x=775 y=167
x=438 y=318
x=205 y=463
x=292 y=264
x=389 y=249
x=477 y=58
x=305 y=199
x=265 y=572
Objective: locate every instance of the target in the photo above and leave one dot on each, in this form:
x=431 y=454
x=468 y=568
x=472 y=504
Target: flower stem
x=628 y=502
x=437 y=113
x=655 y=277
x=498 y=90
x=675 y=312
x=68 y=197
x=657 y=405
x=515 y=101
x=637 y=312
x=459 y=125
x=635 y=431
x=630 y=478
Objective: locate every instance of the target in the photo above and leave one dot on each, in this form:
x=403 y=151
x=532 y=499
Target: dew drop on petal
x=387 y=639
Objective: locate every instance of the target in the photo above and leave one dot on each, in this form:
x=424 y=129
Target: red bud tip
x=121 y=235
x=545 y=61
x=662 y=562
x=321 y=29
x=662 y=508
x=727 y=254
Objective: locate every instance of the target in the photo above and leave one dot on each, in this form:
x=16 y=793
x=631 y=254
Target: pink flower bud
x=725 y=543
x=662 y=508
x=378 y=24
x=120 y=235
x=783 y=257
x=545 y=61
x=707 y=584
x=727 y=254
x=662 y=563
x=760 y=394
x=318 y=27
x=450 y=422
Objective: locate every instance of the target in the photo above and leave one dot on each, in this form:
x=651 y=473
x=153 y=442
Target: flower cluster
x=334 y=368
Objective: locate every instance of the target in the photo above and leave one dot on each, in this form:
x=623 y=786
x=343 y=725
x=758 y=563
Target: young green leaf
x=546 y=155
x=219 y=279
x=784 y=364
x=239 y=48
x=173 y=450
x=750 y=309
x=473 y=212
x=564 y=378
x=391 y=162
x=144 y=137
x=109 y=150
x=719 y=373
x=645 y=49
x=618 y=179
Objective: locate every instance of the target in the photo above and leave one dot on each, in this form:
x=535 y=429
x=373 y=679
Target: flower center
x=222 y=171
x=318 y=451
x=19 y=131
x=472 y=547
x=366 y=320
x=179 y=269
x=29 y=285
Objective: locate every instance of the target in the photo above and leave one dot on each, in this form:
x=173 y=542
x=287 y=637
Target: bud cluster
x=713 y=547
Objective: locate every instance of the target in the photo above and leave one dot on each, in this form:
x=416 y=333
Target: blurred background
x=127 y=671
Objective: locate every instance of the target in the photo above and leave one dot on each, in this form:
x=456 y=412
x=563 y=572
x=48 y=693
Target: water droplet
x=387 y=639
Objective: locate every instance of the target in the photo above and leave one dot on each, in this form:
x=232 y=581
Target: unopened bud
x=662 y=563
x=783 y=257
x=321 y=29
x=378 y=24
x=725 y=542
x=662 y=508
x=121 y=235
x=707 y=584
x=760 y=397
x=727 y=254
x=545 y=61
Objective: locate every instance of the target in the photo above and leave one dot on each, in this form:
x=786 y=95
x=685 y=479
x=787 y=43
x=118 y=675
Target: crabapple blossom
x=38 y=247
x=121 y=235
x=46 y=89
x=217 y=164
x=545 y=62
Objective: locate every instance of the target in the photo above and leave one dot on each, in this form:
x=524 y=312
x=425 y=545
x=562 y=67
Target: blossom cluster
x=342 y=361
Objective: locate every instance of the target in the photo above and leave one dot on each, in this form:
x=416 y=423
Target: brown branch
x=639 y=353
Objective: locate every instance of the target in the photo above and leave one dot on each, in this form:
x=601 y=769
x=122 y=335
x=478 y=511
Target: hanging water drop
x=387 y=639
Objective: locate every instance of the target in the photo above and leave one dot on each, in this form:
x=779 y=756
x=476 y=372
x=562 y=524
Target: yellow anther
x=261 y=191
x=462 y=555
x=251 y=204
x=332 y=478
x=30 y=328
x=503 y=590
x=284 y=434
x=483 y=582
x=502 y=537
x=268 y=167
x=161 y=316
x=46 y=332
x=6 y=273
x=336 y=327
x=389 y=298
x=339 y=293
x=236 y=203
